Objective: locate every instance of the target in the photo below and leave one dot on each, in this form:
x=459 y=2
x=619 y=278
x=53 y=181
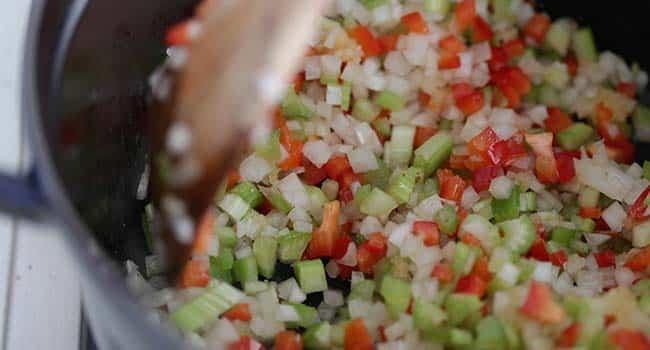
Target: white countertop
x=40 y=298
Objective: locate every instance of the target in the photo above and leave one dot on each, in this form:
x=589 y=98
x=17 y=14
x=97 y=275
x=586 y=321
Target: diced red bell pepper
x=245 y=342
x=388 y=42
x=557 y=120
x=464 y=14
x=470 y=239
x=377 y=244
x=232 y=179
x=512 y=83
x=514 y=48
x=481 y=269
x=448 y=60
x=621 y=151
x=471 y=103
x=424 y=98
x=341 y=246
x=371 y=251
x=538 y=251
x=179 y=33
x=499 y=59
x=559 y=258
x=540 y=305
x=312 y=175
x=471 y=284
x=443 y=272
x=365 y=259
x=452 y=44
x=345 y=186
x=345 y=272
x=337 y=166
x=506 y=151
x=571 y=64
x=461 y=90
x=451 y=186
x=626 y=339
x=298 y=81
x=482 y=178
x=545 y=163
x=480 y=144
x=565 y=167
x=640 y=260
x=324 y=237
x=475 y=162
x=537 y=27
x=239 y=312
x=293 y=147
x=366 y=39
x=288 y=340
x=414 y=23
x=569 y=336
x=627 y=89
x=636 y=212
x=605 y=258
x=422 y=134
x=481 y=30
x=429 y=232
x=196 y=273
x=590 y=213
x=357 y=336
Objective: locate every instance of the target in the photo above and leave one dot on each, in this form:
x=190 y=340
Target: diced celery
x=641 y=121
x=379 y=177
x=217 y=298
x=400 y=147
x=346 y=92
x=506 y=209
x=221 y=265
x=558 y=37
x=642 y=287
x=310 y=275
x=460 y=307
x=382 y=125
x=644 y=303
x=362 y=194
x=378 y=203
x=441 y=7
x=429 y=188
x=584 y=45
x=548 y=95
x=234 y=205
x=307 y=316
x=563 y=235
x=249 y=193
x=373 y=4
x=512 y=336
x=227 y=236
x=364 y=110
x=580 y=247
x=526 y=270
x=277 y=201
x=390 y=100
x=600 y=341
x=527 y=202
x=292 y=245
x=584 y=224
x=293 y=107
x=265 y=250
x=575 y=136
x=445 y=124
x=519 y=234
x=270 y=149
x=484 y=208
x=490 y=334
x=401 y=186
x=337 y=334
x=317 y=198
x=362 y=290
x=329 y=80
x=557 y=76
x=396 y=294
x=435 y=151
x=460 y=337
x=427 y=316
x=462 y=254
x=588 y=197
x=502 y=10
x=349 y=22
x=483 y=230
x=317 y=337
x=245 y=269
x=641 y=235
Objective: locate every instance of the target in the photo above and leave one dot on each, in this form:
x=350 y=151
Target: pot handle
x=22 y=195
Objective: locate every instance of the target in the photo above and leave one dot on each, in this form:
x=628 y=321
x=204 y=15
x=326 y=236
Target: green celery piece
x=584 y=45
x=316 y=198
x=641 y=122
x=379 y=177
x=462 y=253
x=563 y=235
x=401 y=186
x=527 y=202
x=580 y=247
x=346 y=92
x=482 y=229
x=390 y=100
x=577 y=307
x=329 y=80
x=221 y=265
x=588 y=197
x=502 y=10
x=584 y=224
x=438 y=335
x=460 y=337
x=519 y=234
x=548 y=95
x=461 y=307
x=431 y=154
x=644 y=303
x=600 y=341
x=437 y=6
x=310 y=275
x=270 y=150
x=430 y=187
x=292 y=245
x=526 y=270
x=642 y=287
x=382 y=125
x=646 y=170
x=558 y=37
x=445 y=124
x=490 y=334
x=293 y=107
x=227 y=236
x=575 y=136
x=220 y=274
x=337 y=334
x=427 y=316
x=249 y=193
x=373 y=4
x=265 y=250
x=512 y=337
x=557 y=76
x=364 y=110
x=307 y=316
x=641 y=235
x=400 y=147
x=217 y=298
x=317 y=337
x=396 y=294
x=362 y=290
x=484 y=208
x=378 y=203
x=278 y=202
x=235 y=206
x=245 y=269
x=506 y=209
x=362 y=194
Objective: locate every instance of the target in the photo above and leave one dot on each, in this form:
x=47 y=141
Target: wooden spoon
x=233 y=75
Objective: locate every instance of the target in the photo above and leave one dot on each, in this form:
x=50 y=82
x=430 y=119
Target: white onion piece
x=350 y=257
x=330 y=65
x=287 y=313
x=614 y=216
x=367 y=137
x=333 y=298
x=318 y=152
x=254 y=168
x=294 y=191
x=501 y=187
x=470 y=197
x=344 y=129
x=334 y=95
x=395 y=63
x=312 y=68
x=362 y=160
x=428 y=207
x=596 y=239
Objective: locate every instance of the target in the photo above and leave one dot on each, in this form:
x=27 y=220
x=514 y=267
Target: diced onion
x=318 y=152
x=362 y=160
x=254 y=168
x=501 y=187
x=614 y=216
